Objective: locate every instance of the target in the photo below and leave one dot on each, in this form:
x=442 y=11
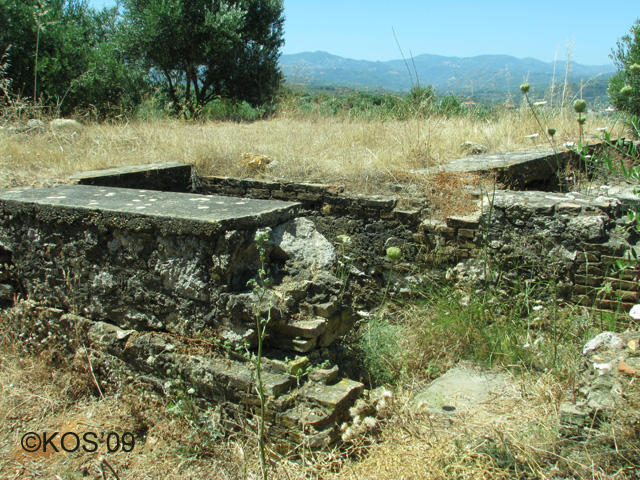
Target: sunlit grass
x=360 y=154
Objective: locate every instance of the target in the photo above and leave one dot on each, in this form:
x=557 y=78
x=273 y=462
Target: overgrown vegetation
x=512 y=318
x=624 y=87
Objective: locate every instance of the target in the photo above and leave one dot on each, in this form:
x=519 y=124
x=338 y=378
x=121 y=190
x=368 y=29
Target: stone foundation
x=160 y=278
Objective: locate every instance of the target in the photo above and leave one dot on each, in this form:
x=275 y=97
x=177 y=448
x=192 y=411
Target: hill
x=491 y=77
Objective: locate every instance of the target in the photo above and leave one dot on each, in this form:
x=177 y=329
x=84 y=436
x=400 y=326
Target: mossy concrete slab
x=514 y=168
x=167 y=176
x=148 y=208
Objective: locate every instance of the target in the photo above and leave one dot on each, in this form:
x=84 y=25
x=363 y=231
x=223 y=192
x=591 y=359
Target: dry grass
x=44 y=388
x=362 y=155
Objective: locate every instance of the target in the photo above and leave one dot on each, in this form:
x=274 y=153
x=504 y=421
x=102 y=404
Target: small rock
x=607 y=340
x=324 y=375
x=473 y=148
x=35 y=126
x=65 y=125
x=6 y=292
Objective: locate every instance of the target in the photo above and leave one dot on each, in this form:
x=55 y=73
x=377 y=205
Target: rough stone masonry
x=141 y=271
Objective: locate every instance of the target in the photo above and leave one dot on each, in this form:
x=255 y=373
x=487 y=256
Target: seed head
x=551 y=132
x=524 y=88
x=394 y=253
x=579 y=106
x=626 y=91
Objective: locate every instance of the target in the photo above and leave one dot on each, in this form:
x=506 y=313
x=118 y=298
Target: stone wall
x=159 y=278
x=579 y=240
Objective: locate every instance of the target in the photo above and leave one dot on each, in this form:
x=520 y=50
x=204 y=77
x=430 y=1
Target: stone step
x=306 y=329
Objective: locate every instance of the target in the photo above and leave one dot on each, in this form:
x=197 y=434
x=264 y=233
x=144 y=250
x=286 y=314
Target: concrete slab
x=514 y=168
x=463 y=387
x=168 y=208
x=167 y=177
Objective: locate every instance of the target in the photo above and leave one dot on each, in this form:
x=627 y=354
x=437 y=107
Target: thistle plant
x=547 y=132
x=261 y=287
x=580 y=106
x=394 y=254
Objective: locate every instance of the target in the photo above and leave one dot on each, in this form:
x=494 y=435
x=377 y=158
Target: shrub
x=624 y=86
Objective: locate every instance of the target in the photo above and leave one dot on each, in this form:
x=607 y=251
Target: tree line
x=66 y=56
x=183 y=54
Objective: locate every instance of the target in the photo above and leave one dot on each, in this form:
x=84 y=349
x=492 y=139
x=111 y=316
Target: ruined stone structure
x=152 y=265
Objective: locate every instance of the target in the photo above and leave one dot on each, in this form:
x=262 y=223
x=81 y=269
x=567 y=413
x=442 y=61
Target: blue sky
x=363 y=29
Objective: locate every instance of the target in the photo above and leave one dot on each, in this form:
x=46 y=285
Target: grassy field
x=304 y=146
x=45 y=388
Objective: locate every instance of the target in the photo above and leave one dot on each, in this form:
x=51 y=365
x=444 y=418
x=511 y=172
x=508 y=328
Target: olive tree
x=624 y=86
x=201 y=50
x=65 y=55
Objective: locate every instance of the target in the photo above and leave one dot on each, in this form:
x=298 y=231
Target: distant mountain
x=484 y=76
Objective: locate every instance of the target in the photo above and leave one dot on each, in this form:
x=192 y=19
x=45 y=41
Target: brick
x=621 y=284
x=407 y=216
x=282 y=195
x=466 y=233
x=589 y=280
x=594 y=269
x=622 y=295
x=586 y=257
x=309 y=197
x=585 y=290
x=262 y=193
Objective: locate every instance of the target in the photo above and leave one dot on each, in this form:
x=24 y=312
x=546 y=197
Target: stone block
x=410 y=217
x=168 y=177
x=297 y=366
x=262 y=193
x=466 y=233
x=622 y=296
x=282 y=195
x=326 y=310
x=471 y=221
x=303 y=328
x=338 y=325
x=300 y=345
x=609 y=260
x=336 y=398
x=378 y=202
x=276 y=385
x=324 y=375
x=568 y=208
x=592 y=269
x=587 y=257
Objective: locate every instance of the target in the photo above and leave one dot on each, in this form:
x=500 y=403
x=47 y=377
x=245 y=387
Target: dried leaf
x=624 y=368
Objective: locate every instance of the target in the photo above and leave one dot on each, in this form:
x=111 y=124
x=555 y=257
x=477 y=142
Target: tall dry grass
x=363 y=155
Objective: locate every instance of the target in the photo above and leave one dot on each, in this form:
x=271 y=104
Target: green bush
x=624 y=86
